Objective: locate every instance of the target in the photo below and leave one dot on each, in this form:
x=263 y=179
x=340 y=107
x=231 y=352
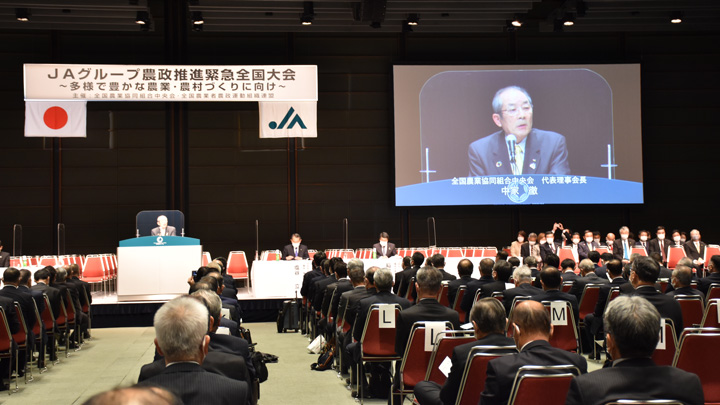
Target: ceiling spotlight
x=412 y=19
x=22 y=14
x=676 y=17
x=568 y=20
x=517 y=21
x=308 y=14
x=197 y=18
x=142 y=18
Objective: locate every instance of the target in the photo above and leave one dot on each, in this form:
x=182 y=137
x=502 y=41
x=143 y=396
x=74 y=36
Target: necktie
x=296 y=252
x=384 y=250
x=697 y=246
x=662 y=250
x=519 y=158
x=626 y=250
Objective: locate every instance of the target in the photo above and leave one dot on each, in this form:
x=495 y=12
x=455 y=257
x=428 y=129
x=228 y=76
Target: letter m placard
x=558 y=313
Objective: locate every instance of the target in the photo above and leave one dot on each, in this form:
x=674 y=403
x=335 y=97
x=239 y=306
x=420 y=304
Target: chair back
x=612 y=294
x=206 y=258
x=498 y=295
x=416 y=358
x=473 y=379
x=589 y=299
x=458 y=301
x=48 y=319
x=710 y=251
x=69 y=307
x=711 y=318
x=376 y=341
x=455 y=252
x=410 y=290
x=639 y=250
x=675 y=253
x=20 y=337
x=665 y=357
x=698 y=350
x=566 y=253
x=237 y=265
x=5 y=336
x=443 y=294
x=692 y=310
x=49 y=261
x=94 y=269
x=444 y=349
x=713 y=292
x=542 y=385
x=37 y=328
x=645 y=402
x=566 y=286
x=565 y=336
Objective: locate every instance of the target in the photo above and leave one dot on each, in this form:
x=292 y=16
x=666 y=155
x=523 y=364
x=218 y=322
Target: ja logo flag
x=296 y=119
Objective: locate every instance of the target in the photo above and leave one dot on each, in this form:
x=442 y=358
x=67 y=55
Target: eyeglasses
x=514 y=111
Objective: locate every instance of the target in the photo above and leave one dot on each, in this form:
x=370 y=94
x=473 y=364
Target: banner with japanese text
x=170 y=82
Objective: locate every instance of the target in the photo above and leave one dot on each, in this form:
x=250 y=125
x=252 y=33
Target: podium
x=156 y=268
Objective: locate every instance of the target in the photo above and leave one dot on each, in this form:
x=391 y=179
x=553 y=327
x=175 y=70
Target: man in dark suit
x=427 y=308
x=643 y=277
x=4 y=257
x=681 y=281
x=531 y=332
x=517 y=148
x=486 y=270
x=295 y=250
x=331 y=301
x=695 y=249
x=622 y=248
x=587 y=276
x=712 y=278
x=601 y=271
x=223 y=343
x=587 y=245
x=314 y=274
x=406 y=275
x=659 y=244
x=568 y=270
x=348 y=301
x=502 y=271
x=643 y=241
x=74 y=277
x=321 y=284
x=633 y=327
x=665 y=273
x=465 y=270
x=163 y=229
x=215 y=362
x=523 y=287
x=384 y=248
x=488 y=319
x=180 y=335
x=42 y=280
x=11 y=283
x=438 y=261
x=551 y=280
x=550 y=246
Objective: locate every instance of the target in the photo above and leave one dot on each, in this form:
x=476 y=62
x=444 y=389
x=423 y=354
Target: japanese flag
x=64 y=119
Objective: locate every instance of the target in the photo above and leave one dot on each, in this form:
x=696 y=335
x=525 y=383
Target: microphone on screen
x=510 y=140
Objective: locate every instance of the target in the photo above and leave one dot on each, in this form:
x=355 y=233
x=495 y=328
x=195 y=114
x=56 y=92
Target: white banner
x=170 y=82
x=288 y=119
x=56 y=119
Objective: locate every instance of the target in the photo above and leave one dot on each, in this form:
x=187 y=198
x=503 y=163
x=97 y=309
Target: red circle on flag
x=55 y=117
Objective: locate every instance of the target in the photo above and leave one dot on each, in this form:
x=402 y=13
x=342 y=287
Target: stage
x=108 y=312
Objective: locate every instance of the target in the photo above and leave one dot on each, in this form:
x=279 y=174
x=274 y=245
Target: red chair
x=376 y=344
x=458 y=300
x=542 y=385
x=587 y=302
x=415 y=360
x=713 y=292
x=489 y=251
x=271 y=255
x=237 y=266
x=473 y=379
x=311 y=253
x=444 y=348
x=49 y=261
x=21 y=342
x=455 y=252
x=15 y=261
x=94 y=271
x=567 y=285
x=697 y=353
x=6 y=338
x=710 y=319
x=498 y=295
x=564 y=336
x=409 y=295
x=692 y=310
x=443 y=295
x=48 y=322
x=639 y=250
x=566 y=253
x=71 y=312
x=665 y=357
x=710 y=251
x=206 y=258
x=675 y=253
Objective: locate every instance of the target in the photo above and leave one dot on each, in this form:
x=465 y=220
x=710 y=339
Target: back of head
x=334 y=262
x=201 y=272
x=646 y=269
x=501 y=255
x=135 y=396
x=222 y=261
x=180 y=327
x=465 y=268
x=357 y=275
x=212 y=281
x=429 y=280
x=318 y=258
x=383 y=279
x=218 y=277
x=370 y=274
x=552 y=260
x=657 y=257
x=326 y=267
x=532 y=318
x=614 y=267
x=594 y=256
x=214 y=266
x=568 y=264
x=634 y=324
x=418 y=259
x=530 y=261
x=489 y=315
x=355 y=264
x=606 y=257
x=437 y=260
x=503 y=270
x=60 y=275
x=212 y=302
x=341 y=270
x=514 y=261
x=686 y=261
x=486 y=266
x=407 y=262
x=202 y=285
x=683 y=274
x=25 y=276
x=53 y=273
x=715 y=260
x=586 y=266
x=11 y=276
x=74 y=270
x=42 y=274
x=522 y=274
x=551 y=277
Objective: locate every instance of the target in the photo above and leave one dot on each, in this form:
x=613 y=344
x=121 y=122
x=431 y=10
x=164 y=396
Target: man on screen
x=163 y=229
x=517 y=148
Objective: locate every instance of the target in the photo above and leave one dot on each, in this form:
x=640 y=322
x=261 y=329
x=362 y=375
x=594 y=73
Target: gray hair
x=530 y=261
x=212 y=302
x=683 y=274
x=180 y=326
x=685 y=261
x=587 y=265
x=60 y=274
x=355 y=264
x=429 y=279
x=634 y=324
x=624 y=228
x=383 y=279
x=497 y=102
x=522 y=273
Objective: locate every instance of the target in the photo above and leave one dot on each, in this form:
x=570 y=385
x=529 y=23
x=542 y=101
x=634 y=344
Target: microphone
x=511 y=140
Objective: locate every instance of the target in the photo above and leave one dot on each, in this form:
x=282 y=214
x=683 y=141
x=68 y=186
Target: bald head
x=532 y=318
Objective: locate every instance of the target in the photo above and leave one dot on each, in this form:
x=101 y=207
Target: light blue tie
x=626 y=249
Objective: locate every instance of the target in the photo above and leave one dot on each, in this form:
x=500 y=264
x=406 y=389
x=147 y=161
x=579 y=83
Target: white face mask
x=521 y=239
x=676 y=238
x=589 y=240
x=550 y=240
x=623 y=236
x=643 y=238
x=682 y=240
x=661 y=236
x=695 y=237
x=296 y=245
x=597 y=240
x=608 y=242
x=576 y=241
x=531 y=242
x=383 y=243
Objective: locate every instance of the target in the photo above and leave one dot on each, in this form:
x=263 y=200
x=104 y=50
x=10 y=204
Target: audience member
x=568 y=270
x=465 y=270
x=438 y=261
x=713 y=277
x=135 y=396
x=523 y=287
x=587 y=276
x=681 y=281
x=551 y=281
x=486 y=269
x=408 y=274
x=501 y=274
x=643 y=277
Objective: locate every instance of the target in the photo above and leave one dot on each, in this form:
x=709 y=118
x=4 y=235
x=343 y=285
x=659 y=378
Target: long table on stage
x=283 y=278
